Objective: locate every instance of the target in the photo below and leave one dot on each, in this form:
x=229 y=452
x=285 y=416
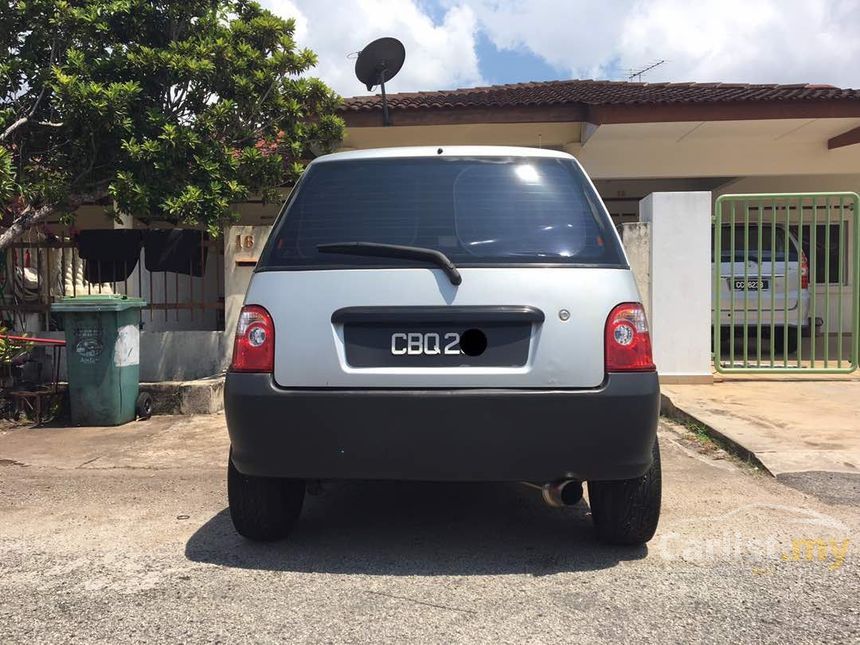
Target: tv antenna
x=379 y=62
x=637 y=73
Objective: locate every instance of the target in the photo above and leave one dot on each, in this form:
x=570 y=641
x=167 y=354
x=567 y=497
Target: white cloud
x=570 y=35
x=767 y=41
x=437 y=55
x=770 y=41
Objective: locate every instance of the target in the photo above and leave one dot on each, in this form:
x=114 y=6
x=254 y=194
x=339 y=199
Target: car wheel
x=263 y=508
x=779 y=339
x=143 y=406
x=626 y=511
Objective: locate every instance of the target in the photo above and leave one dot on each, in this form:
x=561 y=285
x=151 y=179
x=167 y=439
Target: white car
x=444 y=314
x=763 y=284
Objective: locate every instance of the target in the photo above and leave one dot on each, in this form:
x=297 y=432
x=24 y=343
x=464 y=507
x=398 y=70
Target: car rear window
x=746 y=244
x=478 y=211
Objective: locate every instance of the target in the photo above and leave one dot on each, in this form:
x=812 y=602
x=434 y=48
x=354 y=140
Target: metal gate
x=786 y=293
x=35 y=273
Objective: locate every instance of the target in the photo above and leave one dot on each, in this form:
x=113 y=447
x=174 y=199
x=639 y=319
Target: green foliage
x=171 y=110
x=8 y=188
x=12 y=350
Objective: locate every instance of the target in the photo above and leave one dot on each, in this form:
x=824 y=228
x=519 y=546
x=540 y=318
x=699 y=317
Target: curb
x=203 y=396
x=670 y=410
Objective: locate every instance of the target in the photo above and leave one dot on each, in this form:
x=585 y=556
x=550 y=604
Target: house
x=688 y=143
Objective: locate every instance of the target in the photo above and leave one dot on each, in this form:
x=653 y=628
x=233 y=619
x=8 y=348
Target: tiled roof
x=593 y=93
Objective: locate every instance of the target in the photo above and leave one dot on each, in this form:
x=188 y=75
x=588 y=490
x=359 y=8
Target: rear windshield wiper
x=396 y=251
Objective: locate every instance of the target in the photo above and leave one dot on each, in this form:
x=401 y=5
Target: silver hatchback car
x=444 y=314
x=765 y=282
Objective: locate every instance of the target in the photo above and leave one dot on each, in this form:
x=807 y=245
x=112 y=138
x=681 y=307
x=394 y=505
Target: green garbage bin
x=102 y=357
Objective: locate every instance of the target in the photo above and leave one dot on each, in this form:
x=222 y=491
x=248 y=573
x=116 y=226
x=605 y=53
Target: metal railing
x=786 y=293
x=33 y=274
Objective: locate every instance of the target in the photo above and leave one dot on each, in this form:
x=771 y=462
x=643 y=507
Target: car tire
x=627 y=511
x=263 y=508
x=143 y=406
x=780 y=337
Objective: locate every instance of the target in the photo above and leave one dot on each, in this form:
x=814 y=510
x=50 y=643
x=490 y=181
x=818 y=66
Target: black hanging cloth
x=110 y=254
x=176 y=251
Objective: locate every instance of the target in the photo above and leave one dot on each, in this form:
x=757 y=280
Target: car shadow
x=408 y=528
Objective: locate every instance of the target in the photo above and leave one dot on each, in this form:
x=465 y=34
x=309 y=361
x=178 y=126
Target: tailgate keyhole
x=473 y=342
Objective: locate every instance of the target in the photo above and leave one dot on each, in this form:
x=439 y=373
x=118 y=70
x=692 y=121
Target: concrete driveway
x=122 y=536
x=805 y=432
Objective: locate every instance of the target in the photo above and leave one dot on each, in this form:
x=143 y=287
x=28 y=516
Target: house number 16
x=244 y=242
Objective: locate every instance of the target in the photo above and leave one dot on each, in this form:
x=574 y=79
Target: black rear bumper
x=443 y=435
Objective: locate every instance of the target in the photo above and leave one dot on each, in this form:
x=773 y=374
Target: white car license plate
x=751 y=285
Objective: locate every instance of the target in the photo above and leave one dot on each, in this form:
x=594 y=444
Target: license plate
x=479 y=345
x=751 y=285
x=497 y=336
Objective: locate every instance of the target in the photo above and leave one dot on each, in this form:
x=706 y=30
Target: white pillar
x=680 y=283
x=636 y=237
x=242 y=248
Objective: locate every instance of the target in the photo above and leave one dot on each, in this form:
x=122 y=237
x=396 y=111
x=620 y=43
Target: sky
x=467 y=43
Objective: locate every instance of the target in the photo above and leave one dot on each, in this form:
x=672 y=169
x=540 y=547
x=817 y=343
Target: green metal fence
x=786 y=290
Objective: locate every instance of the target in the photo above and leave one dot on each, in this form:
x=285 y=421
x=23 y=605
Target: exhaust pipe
x=561 y=493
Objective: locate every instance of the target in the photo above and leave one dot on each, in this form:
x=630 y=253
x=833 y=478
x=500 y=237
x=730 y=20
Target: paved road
x=122 y=536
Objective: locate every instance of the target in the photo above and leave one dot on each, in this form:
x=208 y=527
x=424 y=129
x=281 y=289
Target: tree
x=167 y=110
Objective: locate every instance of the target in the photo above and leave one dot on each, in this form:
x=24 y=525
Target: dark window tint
x=826 y=247
x=746 y=244
x=479 y=211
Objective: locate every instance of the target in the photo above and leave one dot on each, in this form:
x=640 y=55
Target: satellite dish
x=379 y=62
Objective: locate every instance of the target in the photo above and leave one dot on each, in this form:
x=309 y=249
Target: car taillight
x=628 y=343
x=804 y=271
x=254 y=346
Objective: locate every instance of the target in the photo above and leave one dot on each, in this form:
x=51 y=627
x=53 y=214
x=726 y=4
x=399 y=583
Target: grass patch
x=699 y=433
x=698 y=437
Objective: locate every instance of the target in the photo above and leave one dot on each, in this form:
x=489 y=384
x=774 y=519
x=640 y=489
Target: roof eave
x=607 y=113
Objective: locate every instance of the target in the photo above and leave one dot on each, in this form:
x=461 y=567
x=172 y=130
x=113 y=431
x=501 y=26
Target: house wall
x=243 y=245
x=183 y=355
x=536 y=135
x=167 y=355
x=668 y=150
x=636 y=237
x=638 y=157
x=679 y=227
x=792 y=184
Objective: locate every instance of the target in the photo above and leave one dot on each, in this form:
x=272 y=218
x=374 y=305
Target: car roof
x=442 y=151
